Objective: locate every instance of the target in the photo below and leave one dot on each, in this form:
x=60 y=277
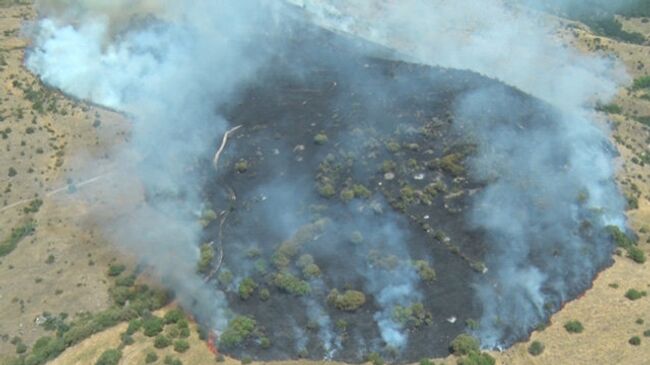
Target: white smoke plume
x=168 y=65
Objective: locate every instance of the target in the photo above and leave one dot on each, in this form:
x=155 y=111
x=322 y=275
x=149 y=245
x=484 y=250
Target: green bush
x=349 y=301
x=161 y=342
x=45 y=349
x=425 y=271
x=205 y=258
x=152 y=326
x=17 y=234
x=241 y=166
x=321 y=138
x=413 y=316
x=239 y=329
x=634 y=294
x=464 y=344
x=573 y=326
x=426 y=362
x=375 y=359
x=127 y=340
x=151 y=357
x=290 y=284
x=247 y=287
x=109 y=357
x=642 y=82
x=264 y=294
x=536 y=348
x=610 y=108
x=636 y=254
x=173 y=316
x=181 y=346
x=225 y=278
x=635 y=341
x=21 y=348
x=116 y=269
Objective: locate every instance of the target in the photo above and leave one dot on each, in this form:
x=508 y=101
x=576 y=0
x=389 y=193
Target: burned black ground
x=352 y=158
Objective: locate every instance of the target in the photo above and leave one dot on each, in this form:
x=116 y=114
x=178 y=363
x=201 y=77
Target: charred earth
x=338 y=219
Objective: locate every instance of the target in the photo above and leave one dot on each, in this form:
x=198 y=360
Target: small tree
x=181 y=346
x=464 y=344
x=152 y=326
x=573 y=326
x=536 y=348
x=161 y=342
x=151 y=357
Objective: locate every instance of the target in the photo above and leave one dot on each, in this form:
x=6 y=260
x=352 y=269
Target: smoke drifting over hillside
x=535 y=179
x=170 y=65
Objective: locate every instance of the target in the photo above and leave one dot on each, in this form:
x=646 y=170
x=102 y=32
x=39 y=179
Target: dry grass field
x=47 y=139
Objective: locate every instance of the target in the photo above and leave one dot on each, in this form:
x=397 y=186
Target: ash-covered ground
x=352 y=172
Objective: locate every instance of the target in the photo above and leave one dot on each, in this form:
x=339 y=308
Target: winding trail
x=56 y=191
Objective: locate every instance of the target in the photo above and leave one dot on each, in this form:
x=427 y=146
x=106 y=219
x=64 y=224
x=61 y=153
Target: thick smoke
x=168 y=65
x=546 y=176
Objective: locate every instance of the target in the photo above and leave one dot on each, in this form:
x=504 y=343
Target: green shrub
x=152 y=326
x=635 y=341
x=116 y=269
x=646 y=333
x=239 y=329
x=44 y=349
x=181 y=346
x=21 y=348
x=151 y=357
x=425 y=271
x=620 y=238
x=17 y=234
x=636 y=254
x=311 y=271
x=33 y=206
x=173 y=316
x=264 y=294
x=205 y=258
x=349 y=301
x=290 y=284
x=225 y=278
x=464 y=344
x=375 y=359
x=413 y=316
x=161 y=342
x=321 y=138
x=452 y=163
x=247 y=287
x=573 y=326
x=127 y=340
x=633 y=294
x=241 y=166
x=326 y=190
x=109 y=357
x=536 y=348
x=610 y=108
x=426 y=362
x=642 y=82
